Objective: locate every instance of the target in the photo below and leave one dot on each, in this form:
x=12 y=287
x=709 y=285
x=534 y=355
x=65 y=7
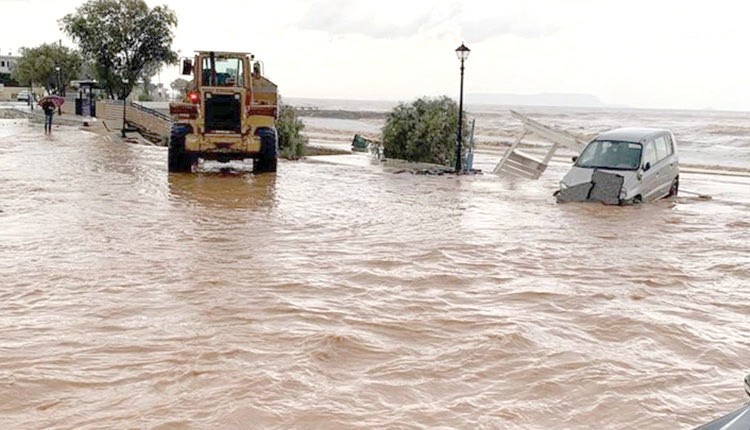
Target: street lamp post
x=463 y=53
x=57 y=68
x=124 y=100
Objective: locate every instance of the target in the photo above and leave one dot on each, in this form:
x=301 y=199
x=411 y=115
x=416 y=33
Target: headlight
x=563 y=186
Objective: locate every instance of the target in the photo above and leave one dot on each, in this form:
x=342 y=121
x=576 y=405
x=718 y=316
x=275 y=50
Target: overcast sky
x=662 y=54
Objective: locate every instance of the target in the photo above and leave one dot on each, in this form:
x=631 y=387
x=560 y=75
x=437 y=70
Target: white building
x=7 y=62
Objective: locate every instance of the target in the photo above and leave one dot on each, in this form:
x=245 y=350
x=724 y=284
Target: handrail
x=142 y=108
x=152 y=112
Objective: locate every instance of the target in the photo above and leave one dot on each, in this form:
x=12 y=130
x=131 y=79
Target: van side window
x=649 y=154
x=661 y=148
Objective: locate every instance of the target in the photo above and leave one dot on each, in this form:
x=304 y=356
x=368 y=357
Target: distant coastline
x=359 y=109
x=542 y=99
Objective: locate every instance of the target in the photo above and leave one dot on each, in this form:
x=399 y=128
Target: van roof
x=631 y=134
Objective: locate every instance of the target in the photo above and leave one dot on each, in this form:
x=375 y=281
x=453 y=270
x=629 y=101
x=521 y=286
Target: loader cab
x=222 y=80
x=222 y=71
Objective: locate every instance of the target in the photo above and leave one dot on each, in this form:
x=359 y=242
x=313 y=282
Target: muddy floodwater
x=343 y=296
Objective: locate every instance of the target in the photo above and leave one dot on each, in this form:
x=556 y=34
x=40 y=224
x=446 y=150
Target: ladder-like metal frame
x=519 y=164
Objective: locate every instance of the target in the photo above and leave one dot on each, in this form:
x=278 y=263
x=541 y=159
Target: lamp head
x=463 y=52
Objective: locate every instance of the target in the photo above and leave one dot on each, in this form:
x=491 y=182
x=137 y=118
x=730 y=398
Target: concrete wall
x=9 y=93
x=111 y=113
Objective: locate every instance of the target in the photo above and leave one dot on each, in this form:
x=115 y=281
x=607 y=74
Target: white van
x=23 y=96
x=644 y=158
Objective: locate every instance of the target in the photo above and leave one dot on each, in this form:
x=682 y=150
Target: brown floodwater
x=342 y=297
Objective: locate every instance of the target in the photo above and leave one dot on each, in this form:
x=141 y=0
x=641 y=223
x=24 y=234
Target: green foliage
x=292 y=143
x=124 y=39
x=180 y=85
x=151 y=69
x=7 y=80
x=38 y=65
x=423 y=131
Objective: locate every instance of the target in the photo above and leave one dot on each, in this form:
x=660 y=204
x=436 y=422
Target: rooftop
x=631 y=134
x=225 y=53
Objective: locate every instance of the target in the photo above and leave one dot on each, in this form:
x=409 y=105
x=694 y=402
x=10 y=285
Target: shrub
x=7 y=80
x=292 y=143
x=423 y=131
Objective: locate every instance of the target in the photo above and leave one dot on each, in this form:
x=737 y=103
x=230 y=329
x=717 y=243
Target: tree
x=289 y=128
x=151 y=69
x=423 y=131
x=123 y=38
x=180 y=85
x=40 y=66
x=7 y=80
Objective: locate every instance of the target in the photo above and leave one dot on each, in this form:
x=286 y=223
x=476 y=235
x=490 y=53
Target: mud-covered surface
x=340 y=295
x=8 y=113
x=604 y=188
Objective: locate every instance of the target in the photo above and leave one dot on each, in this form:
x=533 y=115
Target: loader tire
x=269 y=151
x=179 y=160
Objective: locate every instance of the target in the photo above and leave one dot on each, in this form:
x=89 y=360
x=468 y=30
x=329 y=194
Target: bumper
x=222 y=143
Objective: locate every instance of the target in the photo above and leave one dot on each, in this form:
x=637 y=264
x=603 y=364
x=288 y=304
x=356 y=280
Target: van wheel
x=269 y=149
x=634 y=201
x=675 y=187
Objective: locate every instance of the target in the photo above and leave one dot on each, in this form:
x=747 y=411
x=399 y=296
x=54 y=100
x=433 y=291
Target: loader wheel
x=179 y=160
x=269 y=150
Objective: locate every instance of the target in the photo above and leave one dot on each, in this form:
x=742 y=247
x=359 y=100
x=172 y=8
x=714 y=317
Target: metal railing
x=152 y=112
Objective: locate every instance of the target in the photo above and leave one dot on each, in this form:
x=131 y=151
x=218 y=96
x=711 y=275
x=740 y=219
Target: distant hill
x=544 y=99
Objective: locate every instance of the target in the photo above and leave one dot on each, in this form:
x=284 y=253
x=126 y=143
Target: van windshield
x=608 y=154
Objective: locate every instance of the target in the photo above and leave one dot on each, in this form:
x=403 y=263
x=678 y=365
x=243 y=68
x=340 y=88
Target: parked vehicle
x=23 y=96
x=622 y=166
x=737 y=420
x=360 y=143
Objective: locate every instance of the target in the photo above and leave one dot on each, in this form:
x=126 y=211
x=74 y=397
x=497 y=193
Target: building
x=7 y=62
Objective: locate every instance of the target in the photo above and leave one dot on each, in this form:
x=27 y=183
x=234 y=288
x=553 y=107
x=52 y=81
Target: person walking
x=49 y=112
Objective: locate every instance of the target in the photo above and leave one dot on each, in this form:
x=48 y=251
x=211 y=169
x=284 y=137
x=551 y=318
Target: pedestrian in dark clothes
x=49 y=112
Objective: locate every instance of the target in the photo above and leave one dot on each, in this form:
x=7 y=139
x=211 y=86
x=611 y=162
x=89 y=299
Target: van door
x=649 y=180
x=674 y=165
x=663 y=168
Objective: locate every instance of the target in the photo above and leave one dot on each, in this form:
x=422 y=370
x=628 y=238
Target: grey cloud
x=478 y=31
x=371 y=19
x=342 y=17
